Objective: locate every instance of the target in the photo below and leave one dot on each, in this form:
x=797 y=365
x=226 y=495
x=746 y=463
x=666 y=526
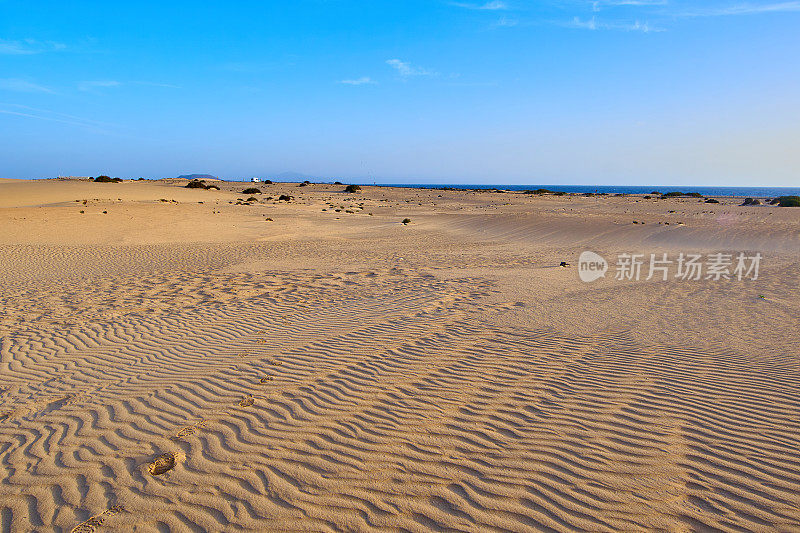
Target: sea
x=745 y=192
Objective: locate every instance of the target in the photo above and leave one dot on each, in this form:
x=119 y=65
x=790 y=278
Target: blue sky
x=504 y=91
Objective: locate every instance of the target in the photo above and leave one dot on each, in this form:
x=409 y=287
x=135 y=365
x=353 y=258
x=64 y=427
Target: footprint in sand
x=163 y=463
x=185 y=432
x=97 y=520
x=190 y=430
x=247 y=402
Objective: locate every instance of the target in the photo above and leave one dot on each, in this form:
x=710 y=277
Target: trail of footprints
x=404 y=411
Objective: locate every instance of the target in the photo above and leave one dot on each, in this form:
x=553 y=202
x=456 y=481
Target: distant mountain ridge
x=197 y=177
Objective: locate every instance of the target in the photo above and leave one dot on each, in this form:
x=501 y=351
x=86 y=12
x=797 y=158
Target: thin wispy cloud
x=96 y=85
x=23 y=86
x=496 y=5
x=597 y=5
x=364 y=80
x=505 y=22
x=52 y=116
x=27 y=47
x=156 y=84
x=407 y=70
x=743 y=9
x=594 y=24
x=628 y=14
x=31 y=113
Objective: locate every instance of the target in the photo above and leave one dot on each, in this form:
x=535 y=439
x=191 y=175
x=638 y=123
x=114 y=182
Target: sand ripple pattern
x=375 y=400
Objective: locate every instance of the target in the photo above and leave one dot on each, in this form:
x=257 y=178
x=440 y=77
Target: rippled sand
x=175 y=365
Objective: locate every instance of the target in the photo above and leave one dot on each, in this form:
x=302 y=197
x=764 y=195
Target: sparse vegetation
x=284 y=198
x=712 y=201
x=675 y=194
x=196 y=184
x=252 y=199
x=788 y=201
x=352 y=188
x=106 y=179
x=406 y=221
x=251 y=190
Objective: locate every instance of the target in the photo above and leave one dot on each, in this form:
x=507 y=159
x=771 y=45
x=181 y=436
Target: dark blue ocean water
x=753 y=192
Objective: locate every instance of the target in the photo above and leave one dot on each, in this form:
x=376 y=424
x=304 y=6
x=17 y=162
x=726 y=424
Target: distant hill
x=197 y=177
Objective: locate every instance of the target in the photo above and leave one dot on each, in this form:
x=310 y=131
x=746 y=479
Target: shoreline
x=552 y=190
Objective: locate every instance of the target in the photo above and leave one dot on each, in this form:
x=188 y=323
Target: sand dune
x=333 y=371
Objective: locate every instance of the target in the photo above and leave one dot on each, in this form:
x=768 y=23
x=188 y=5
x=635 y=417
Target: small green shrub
x=406 y=221
x=789 y=201
x=251 y=190
x=107 y=179
x=196 y=184
x=284 y=198
x=352 y=188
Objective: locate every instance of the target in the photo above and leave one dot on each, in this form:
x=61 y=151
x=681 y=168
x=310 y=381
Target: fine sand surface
x=190 y=365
